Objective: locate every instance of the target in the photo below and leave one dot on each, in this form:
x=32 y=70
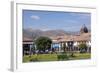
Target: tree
x=83 y=48
x=43 y=43
x=64 y=47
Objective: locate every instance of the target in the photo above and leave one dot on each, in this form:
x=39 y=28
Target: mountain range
x=34 y=33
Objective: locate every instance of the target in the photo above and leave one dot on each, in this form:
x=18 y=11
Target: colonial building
x=27 y=45
x=63 y=43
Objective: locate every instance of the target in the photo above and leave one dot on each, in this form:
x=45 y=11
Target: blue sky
x=51 y=20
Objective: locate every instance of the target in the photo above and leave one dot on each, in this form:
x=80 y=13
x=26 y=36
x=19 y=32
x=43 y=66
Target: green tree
x=43 y=43
x=83 y=48
x=64 y=47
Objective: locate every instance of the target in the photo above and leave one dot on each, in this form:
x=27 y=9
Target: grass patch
x=56 y=57
x=47 y=57
x=82 y=56
x=40 y=57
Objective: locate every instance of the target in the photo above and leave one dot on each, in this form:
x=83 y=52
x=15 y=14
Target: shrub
x=62 y=57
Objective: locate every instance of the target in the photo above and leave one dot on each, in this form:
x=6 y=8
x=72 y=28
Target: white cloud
x=81 y=15
x=35 y=17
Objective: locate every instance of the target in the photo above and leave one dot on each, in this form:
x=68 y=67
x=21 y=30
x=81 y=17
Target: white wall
x=5 y=38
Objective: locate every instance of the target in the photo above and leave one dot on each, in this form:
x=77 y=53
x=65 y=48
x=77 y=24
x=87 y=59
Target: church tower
x=84 y=29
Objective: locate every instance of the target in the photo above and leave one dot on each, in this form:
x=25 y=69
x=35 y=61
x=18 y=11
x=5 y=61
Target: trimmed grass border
x=55 y=57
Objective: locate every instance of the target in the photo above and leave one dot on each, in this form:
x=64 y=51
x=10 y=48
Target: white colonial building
x=71 y=42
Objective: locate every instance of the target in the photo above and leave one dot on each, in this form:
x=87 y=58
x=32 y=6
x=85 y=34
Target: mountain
x=55 y=33
x=34 y=33
x=30 y=33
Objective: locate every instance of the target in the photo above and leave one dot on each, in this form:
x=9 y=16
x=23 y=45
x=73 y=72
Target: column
x=59 y=47
x=30 y=47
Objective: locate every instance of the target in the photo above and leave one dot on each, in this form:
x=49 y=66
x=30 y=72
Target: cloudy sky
x=50 y=20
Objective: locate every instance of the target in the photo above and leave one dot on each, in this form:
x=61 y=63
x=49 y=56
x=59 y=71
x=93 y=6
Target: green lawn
x=55 y=57
x=81 y=56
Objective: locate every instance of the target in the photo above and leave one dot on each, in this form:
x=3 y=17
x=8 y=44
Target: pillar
x=30 y=47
